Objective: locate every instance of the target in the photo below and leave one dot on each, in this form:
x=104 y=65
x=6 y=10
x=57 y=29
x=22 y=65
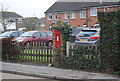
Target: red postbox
x=57 y=39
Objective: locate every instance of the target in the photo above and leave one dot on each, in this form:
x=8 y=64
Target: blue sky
x=27 y=8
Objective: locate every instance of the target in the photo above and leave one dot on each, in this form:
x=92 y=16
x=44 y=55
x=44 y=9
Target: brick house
x=77 y=14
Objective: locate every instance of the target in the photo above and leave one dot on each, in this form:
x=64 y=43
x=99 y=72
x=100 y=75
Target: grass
x=116 y=73
x=28 y=56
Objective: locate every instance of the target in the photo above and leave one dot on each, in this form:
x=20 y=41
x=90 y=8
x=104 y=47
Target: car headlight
x=20 y=40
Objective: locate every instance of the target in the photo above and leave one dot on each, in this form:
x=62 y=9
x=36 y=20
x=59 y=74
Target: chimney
x=100 y=1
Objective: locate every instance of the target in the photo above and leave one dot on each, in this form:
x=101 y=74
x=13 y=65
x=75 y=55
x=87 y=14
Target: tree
x=3 y=19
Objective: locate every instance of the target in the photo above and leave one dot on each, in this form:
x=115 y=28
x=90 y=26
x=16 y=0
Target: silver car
x=88 y=36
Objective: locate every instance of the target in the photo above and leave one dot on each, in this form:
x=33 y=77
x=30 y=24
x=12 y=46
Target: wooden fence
x=83 y=57
x=37 y=52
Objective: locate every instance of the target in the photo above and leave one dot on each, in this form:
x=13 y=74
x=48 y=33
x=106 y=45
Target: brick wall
x=77 y=22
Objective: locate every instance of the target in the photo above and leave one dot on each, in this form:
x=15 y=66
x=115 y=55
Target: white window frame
x=72 y=15
x=55 y=16
x=106 y=9
x=19 y=20
x=48 y=16
x=65 y=15
x=82 y=14
x=93 y=11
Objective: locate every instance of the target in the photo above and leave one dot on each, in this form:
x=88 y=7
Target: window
x=37 y=34
x=19 y=20
x=106 y=9
x=50 y=17
x=55 y=16
x=11 y=20
x=93 y=11
x=15 y=34
x=21 y=32
x=66 y=15
x=49 y=33
x=43 y=34
x=72 y=15
x=82 y=14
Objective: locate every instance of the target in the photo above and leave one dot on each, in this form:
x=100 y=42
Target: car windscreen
x=27 y=34
x=87 y=33
x=75 y=32
x=6 y=34
x=49 y=33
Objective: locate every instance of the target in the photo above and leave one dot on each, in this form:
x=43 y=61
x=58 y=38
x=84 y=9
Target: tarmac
x=55 y=73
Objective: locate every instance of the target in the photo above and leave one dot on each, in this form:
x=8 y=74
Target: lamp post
x=33 y=26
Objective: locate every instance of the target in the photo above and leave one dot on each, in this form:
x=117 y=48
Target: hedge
x=109 y=39
x=8 y=49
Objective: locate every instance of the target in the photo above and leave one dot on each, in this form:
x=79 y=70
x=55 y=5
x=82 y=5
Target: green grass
x=116 y=73
x=35 y=52
x=36 y=59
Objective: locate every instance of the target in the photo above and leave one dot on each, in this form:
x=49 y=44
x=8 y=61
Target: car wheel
x=28 y=44
x=50 y=44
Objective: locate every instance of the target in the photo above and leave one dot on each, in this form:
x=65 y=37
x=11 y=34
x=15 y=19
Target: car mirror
x=34 y=37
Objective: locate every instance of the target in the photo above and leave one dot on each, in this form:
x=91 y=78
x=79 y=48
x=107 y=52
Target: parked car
x=35 y=36
x=75 y=32
x=88 y=36
x=11 y=34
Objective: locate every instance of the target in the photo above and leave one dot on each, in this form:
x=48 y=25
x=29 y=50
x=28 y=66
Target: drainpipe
x=16 y=22
x=87 y=23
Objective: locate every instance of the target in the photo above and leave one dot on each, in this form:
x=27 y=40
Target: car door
x=43 y=36
x=36 y=37
x=14 y=34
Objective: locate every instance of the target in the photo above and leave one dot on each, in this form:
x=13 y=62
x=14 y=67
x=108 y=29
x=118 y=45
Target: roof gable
x=10 y=15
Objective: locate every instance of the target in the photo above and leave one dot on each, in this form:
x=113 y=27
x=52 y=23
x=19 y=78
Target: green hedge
x=82 y=58
x=110 y=39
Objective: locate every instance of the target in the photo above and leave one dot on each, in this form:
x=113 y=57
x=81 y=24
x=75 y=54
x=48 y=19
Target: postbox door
x=57 y=39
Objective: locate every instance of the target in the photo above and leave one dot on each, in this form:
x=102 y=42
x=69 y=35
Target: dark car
x=35 y=36
x=11 y=34
x=88 y=36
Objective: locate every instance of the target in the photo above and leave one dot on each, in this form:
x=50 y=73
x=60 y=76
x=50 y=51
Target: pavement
x=55 y=73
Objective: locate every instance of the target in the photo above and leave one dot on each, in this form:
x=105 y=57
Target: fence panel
x=34 y=53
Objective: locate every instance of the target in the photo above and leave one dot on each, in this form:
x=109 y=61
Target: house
x=9 y=20
x=42 y=22
x=77 y=14
x=32 y=23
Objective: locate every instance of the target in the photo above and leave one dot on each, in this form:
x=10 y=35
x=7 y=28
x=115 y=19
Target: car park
x=11 y=34
x=35 y=36
x=88 y=36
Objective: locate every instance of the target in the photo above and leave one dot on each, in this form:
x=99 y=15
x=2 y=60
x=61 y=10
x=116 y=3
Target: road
x=15 y=76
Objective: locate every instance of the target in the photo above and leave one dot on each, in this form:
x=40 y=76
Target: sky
x=27 y=8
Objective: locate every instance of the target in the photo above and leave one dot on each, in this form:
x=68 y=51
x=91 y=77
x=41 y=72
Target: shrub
x=109 y=39
x=82 y=58
x=8 y=49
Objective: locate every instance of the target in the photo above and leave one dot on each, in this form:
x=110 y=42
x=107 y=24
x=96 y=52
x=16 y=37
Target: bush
x=109 y=40
x=8 y=49
x=82 y=58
